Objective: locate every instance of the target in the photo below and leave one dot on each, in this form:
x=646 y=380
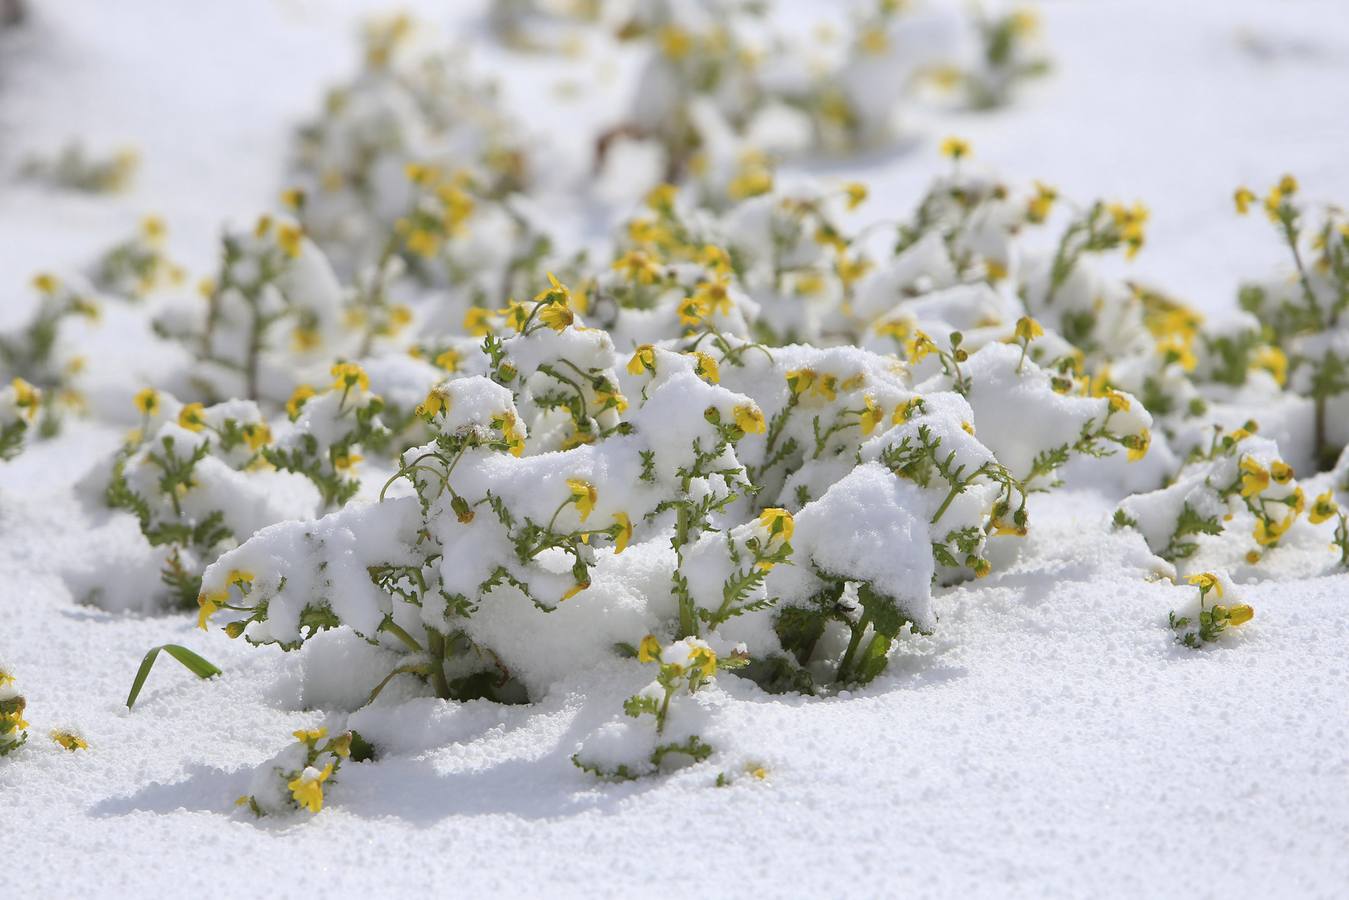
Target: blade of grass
x=195 y=664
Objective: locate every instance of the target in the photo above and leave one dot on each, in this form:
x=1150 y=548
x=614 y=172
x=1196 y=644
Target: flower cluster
x=19 y=406
x=13 y=728
x=1209 y=617
x=298 y=777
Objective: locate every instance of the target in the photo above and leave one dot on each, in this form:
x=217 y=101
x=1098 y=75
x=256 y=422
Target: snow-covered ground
x=1050 y=738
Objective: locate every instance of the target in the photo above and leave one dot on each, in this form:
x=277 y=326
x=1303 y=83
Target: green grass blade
x=195 y=664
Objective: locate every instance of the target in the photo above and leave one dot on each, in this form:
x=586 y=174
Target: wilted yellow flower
x=624 y=532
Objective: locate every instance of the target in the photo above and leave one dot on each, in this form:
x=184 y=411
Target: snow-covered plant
x=1205 y=620
x=1307 y=318
x=13 y=728
x=19 y=405
x=273 y=315
x=39 y=352
x=410 y=104
x=297 y=777
x=1011 y=52
x=187 y=476
x=136 y=266
x=622 y=751
x=1237 y=484
x=328 y=432
x=76 y=168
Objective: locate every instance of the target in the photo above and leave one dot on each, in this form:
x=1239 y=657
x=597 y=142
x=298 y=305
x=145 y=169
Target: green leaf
x=195 y=664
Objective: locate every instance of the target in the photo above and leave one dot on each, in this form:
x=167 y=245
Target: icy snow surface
x=1050 y=738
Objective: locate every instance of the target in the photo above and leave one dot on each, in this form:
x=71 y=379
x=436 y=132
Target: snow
x=1049 y=737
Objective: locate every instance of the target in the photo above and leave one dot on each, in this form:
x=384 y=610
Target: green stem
x=857 y=631
x=435 y=645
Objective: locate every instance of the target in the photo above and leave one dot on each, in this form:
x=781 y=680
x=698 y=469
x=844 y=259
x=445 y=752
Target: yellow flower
x=308 y=788
x=717 y=260
x=1042 y=203
x=345 y=460
x=191 y=417
x=293 y=198
x=347 y=375
x=706 y=367
x=584 y=495
x=919 y=347
x=288 y=238
x=1254 y=477
x=478 y=321
x=5 y=678
x=905 y=411
x=26 y=397
x=643 y=360
x=297 y=399
x=1274 y=361
x=955 y=148
x=46 y=283
x=1268 y=533
x=436 y=402
x=1280 y=471
x=311 y=735
x=304 y=339
x=69 y=740
x=624 y=532
x=556 y=292
x=1118 y=402
x=871 y=416
x=257 y=435
x=712 y=296
x=1137 y=445
x=1323 y=508
x=147 y=401
x=574 y=590
x=1027 y=329
x=638 y=266
x=510 y=430
x=1239 y=615
x=448 y=360
x=209 y=603
x=556 y=316
x=1206 y=581
x=856 y=193
x=778 y=522
x=1243 y=197
x=649 y=649
x=1175 y=348
x=704 y=660
x=749 y=419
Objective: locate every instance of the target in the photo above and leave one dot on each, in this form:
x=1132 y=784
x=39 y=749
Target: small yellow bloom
x=704 y=660
x=257 y=435
x=643 y=360
x=345 y=460
x=584 y=495
x=311 y=735
x=448 y=360
x=1027 y=329
x=147 y=401
x=1274 y=361
x=556 y=316
x=574 y=590
x=856 y=193
x=1240 y=615
x=1280 y=471
x=638 y=266
x=872 y=415
x=69 y=740
x=1254 y=477
x=624 y=532
x=308 y=788
x=288 y=238
x=297 y=400
x=208 y=604
x=1323 y=508
x=46 y=283
x=1268 y=532
x=919 y=347
x=1206 y=581
x=1243 y=198
x=347 y=375
x=955 y=148
x=478 y=321
x=436 y=402
x=27 y=398
x=706 y=367
x=192 y=417
x=649 y=649
x=293 y=198
x=778 y=522
x=1137 y=445
x=749 y=419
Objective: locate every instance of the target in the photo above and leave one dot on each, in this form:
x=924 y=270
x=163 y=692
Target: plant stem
x=857 y=631
x=435 y=643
